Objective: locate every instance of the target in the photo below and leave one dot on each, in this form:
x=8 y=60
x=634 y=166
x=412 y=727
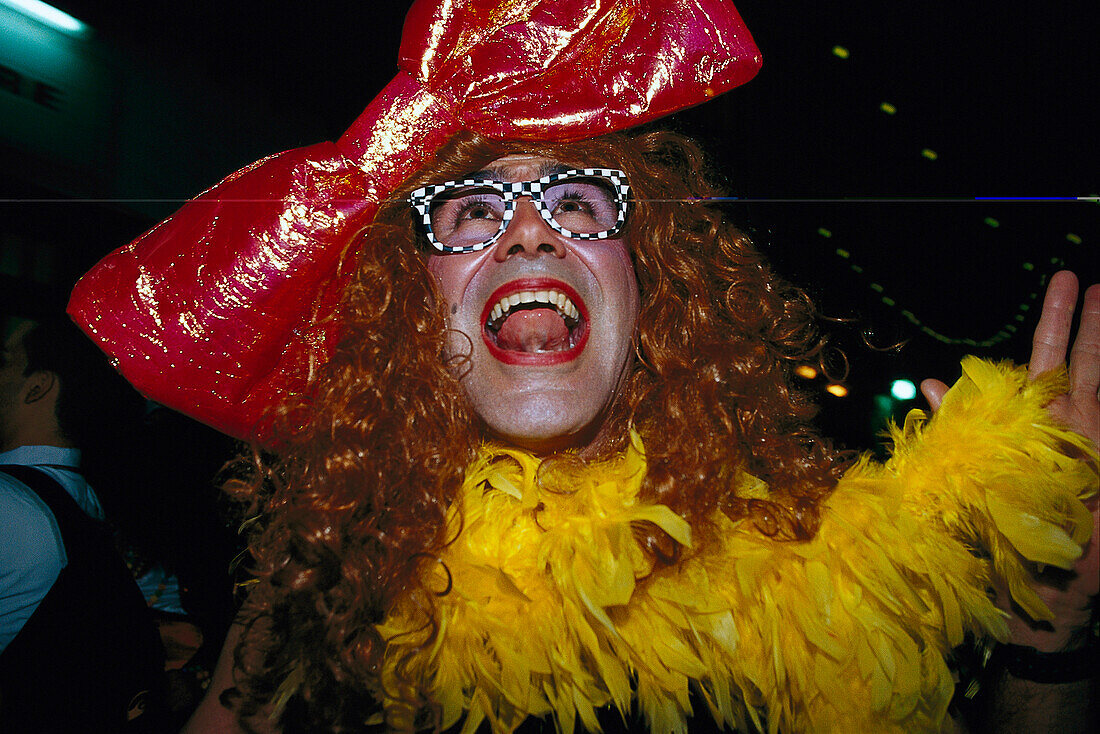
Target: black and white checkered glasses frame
x=421 y=201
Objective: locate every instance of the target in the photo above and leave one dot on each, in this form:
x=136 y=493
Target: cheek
x=615 y=271
x=451 y=273
x=437 y=266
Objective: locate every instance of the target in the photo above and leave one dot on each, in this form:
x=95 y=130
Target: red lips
x=508 y=356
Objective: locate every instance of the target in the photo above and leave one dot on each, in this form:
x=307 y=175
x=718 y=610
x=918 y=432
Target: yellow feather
x=548 y=615
x=1034 y=539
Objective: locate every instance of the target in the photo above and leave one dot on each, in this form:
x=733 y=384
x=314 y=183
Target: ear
x=38 y=386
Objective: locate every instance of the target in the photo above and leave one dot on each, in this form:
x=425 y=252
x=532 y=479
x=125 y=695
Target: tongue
x=536 y=330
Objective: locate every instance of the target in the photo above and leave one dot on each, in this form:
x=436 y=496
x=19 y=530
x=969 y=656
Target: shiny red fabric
x=229 y=306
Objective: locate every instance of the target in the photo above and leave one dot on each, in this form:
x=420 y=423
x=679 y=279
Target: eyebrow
x=497 y=174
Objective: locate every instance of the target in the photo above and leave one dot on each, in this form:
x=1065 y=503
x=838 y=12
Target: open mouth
x=535 y=321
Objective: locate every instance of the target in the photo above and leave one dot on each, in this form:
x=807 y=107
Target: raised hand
x=1070 y=595
x=1079 y=408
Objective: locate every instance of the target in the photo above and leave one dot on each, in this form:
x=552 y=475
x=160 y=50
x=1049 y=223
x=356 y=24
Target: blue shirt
x=32 y=553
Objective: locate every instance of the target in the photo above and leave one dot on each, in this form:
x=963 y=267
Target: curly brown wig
x=355 y=506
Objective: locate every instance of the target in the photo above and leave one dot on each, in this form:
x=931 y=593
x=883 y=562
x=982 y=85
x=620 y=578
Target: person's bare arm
x=211 y=717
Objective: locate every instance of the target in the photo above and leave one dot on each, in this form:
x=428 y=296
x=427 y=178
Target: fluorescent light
x=51 y=16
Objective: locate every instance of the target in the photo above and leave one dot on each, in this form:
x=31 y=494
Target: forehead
x=520 y=167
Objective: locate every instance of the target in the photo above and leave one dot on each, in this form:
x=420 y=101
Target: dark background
x=989 y=100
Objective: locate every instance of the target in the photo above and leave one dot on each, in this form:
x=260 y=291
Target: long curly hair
x=353 y=509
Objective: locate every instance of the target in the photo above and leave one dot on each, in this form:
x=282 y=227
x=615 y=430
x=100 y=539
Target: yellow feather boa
x=545 y=614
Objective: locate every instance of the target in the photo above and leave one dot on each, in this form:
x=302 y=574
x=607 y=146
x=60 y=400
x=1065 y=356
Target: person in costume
x=536 y=457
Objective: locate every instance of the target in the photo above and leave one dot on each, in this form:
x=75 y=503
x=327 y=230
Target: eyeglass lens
x=470 y=215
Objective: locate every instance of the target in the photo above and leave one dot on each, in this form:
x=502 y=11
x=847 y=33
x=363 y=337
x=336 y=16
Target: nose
x=527 y=234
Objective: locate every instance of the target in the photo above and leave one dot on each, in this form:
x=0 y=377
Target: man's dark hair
x=94 y=403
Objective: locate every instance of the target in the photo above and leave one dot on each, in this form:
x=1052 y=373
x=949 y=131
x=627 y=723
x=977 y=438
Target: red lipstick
x=579 y=333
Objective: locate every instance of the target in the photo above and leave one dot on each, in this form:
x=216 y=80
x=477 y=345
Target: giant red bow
x=227 y=307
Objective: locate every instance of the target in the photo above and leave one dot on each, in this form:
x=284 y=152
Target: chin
x=544 y=436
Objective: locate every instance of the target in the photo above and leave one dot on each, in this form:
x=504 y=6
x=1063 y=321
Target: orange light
x=837 y=389
x=805 y=371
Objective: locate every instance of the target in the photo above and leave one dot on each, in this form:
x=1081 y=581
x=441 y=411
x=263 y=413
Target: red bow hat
x=229 y=306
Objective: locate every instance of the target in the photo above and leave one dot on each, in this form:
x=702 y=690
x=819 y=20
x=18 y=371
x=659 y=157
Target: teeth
x=553 y=298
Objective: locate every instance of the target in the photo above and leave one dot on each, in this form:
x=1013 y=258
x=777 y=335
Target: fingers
x=1084 y=360
x=933 y=391
x=1048 y=347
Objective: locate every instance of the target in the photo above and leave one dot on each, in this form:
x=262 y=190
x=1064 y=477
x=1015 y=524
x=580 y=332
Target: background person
x=78 y=649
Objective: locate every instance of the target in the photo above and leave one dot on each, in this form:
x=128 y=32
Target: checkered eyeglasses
x=470 y=215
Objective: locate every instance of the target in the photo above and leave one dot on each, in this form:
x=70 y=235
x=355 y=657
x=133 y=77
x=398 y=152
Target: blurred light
x=840 y=52
x=992 y=222
x=824 y=232
x=903 y=389
x=49 y=15
x=888 y=108
x=805 y=371
x=929 y=154
x=1029 y=266
x=837 y=389
x=1074 y=238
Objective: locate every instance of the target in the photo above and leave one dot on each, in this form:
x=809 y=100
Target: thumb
x=933 y=391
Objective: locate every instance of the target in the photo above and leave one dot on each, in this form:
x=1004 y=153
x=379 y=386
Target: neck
x=37 y=438
x=591 y=443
